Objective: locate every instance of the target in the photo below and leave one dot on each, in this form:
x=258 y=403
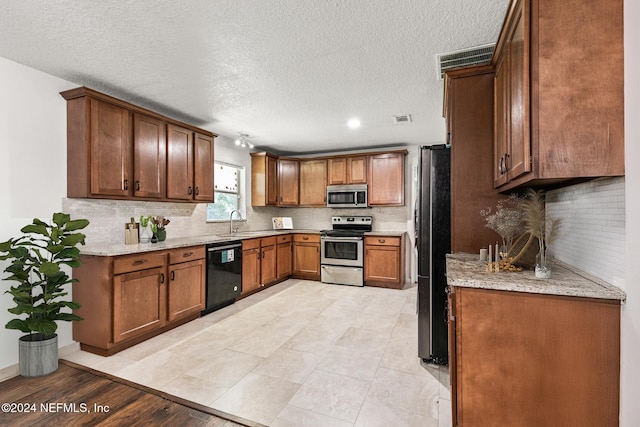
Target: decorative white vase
x=145 y=234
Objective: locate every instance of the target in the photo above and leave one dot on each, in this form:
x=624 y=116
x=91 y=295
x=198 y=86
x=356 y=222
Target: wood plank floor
x=41 y=401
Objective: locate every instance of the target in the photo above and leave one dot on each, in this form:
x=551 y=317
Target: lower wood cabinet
x=259 y=264
x=284 y=255
x=384 y=261
x=130 y=298
x=306 y=256
x=522 y=359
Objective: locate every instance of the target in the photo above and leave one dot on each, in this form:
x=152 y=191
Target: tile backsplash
x=592 y=237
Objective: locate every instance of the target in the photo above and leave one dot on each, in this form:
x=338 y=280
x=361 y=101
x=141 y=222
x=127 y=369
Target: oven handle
x=333 y=238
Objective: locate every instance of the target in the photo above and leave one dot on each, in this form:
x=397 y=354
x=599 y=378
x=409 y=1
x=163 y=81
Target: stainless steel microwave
x=347 y=196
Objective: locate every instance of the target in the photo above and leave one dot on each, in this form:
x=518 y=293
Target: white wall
x=630 y=363
x=33 y=160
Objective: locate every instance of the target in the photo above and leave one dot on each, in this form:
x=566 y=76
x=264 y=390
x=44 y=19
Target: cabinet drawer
x=186 y=254
x=315 y=238
x=382 y=241
x=284 y=239
x=250 y=244
x=268 y=241
x=129 y=263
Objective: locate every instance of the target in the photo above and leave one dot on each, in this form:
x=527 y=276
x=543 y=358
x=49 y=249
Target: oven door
x=348 y=251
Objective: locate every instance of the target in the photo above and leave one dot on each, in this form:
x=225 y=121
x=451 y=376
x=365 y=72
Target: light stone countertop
x=114 y=249
x=466 y=270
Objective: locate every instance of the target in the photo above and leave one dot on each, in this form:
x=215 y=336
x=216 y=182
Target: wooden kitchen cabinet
x=533 y=359
x=264 y=179
x=284 y=256
x=288 y=182
x=149 y=156
x=384 y=261
x=129 y=298
x=117 y=150
x=251 y=255
x=203 y=152
x=555 y=123
x=179 y=163
x=186 y=282
x=306 y=256
x=347 y=170
x=386 y=179
x=313 y=182
x=268 y=261
x=468 y=114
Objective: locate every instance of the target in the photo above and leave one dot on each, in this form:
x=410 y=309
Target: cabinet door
x=268 y=267
x=386 y=179
x=186 y=293
x=357 y=170
x=264 y=179
x=110 y=150
x=306 y=259
x=149 y=156
x=250 y=270
x=313 y=182
x=382 y=264
x=179 y=163
x=501 y=120
x=284 y=260
x=288 y=178
x=519 y=129
x=139 y=303
x=337 y=171
x=203 y=168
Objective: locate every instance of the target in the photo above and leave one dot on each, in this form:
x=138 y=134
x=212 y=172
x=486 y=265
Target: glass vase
x=145 y=234
x=543 y=266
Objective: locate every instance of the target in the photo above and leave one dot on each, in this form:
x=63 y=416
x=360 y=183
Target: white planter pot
x=37 y=357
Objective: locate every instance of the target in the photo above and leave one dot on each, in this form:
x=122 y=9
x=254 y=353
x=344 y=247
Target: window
x=228 y=191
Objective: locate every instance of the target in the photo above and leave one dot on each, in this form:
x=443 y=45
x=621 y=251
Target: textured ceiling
x=290 y=73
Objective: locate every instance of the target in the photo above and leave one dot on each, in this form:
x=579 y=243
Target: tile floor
x=299 y=353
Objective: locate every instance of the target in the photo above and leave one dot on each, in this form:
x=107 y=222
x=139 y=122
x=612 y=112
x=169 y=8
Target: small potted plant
x=145 y=236
x=36 y=258
x=543 y=228
x=158 y=224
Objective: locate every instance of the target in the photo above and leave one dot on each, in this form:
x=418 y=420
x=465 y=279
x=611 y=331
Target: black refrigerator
x=433 y=240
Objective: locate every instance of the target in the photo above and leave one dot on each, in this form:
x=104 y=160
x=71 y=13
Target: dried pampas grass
x=536 y=222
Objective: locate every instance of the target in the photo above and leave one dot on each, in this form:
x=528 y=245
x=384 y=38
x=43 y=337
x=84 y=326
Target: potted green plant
x=36 y=259
x=158 y=224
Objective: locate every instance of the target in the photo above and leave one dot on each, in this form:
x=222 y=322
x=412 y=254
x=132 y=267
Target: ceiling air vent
x=478 y=55
x=406 y=118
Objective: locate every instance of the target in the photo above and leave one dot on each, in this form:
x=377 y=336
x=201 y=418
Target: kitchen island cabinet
x=129 y=298
x=554 y=122
x=532 y=352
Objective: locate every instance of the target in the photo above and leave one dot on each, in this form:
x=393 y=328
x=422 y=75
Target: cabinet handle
x=190 y=190
x=305 y=238
x=187 y=254
x=137 y=185
x=259 y=255
x=173 y=275
x=263 y=254
x=162 y=278
x=139 y=262
x=197 y=191
x=126 y=184
x=381 y=240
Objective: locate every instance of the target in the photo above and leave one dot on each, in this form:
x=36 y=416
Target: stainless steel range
x=342 y=250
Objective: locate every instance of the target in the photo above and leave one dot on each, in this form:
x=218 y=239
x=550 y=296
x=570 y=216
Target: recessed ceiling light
x=353 y=123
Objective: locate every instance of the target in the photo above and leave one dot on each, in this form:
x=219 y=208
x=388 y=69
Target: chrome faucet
x=232 y=229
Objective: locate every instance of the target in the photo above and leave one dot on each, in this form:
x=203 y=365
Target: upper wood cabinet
x=555 y=120
x=264 y=179
x=203 y=168
x=117 y=150
x=469 y=97
x=347 y=170
x=313 y=182
x=149 y=156
x=386 y=179
x=288 y=182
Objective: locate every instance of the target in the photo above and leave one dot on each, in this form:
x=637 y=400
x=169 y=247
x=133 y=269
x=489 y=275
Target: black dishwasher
x=224 y=274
